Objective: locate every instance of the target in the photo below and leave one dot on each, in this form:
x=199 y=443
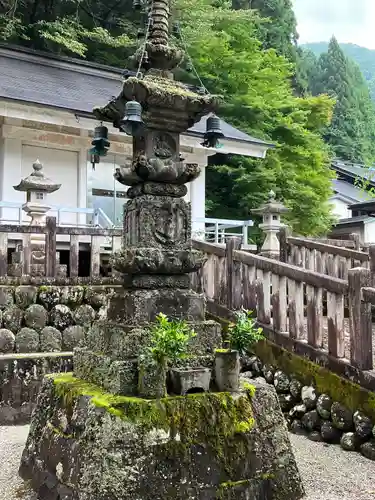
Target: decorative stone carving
x=156 y=170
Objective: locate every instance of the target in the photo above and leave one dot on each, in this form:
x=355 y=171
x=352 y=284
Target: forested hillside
x=352 y=131
x=251 y=61
x=365 y=58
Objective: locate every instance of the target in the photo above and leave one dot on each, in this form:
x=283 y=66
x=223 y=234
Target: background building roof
x=75 y=85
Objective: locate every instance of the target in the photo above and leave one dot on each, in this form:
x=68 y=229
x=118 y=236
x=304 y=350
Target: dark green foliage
x=169 y=340
x=365 y=58
x=352 y=131
x=243 y=333
x=248 y=59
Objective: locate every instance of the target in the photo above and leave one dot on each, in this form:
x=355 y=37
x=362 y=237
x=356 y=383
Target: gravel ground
x=328 y=472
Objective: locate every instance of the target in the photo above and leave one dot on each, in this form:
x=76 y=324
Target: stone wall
x=317 y=415
x=39 y=328
x=49 y=318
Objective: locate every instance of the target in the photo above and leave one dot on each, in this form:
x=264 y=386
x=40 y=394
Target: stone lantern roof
x=271 y=207
x=37 y=181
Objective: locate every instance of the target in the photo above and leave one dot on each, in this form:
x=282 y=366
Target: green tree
x=259 y=99
x=351 y=133
x=233 y=60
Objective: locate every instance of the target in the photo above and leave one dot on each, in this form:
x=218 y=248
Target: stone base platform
x=85 y=444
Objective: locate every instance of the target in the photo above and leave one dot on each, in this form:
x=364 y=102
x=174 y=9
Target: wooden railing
x=94 y=237
x=288 y=301
x=322 y=257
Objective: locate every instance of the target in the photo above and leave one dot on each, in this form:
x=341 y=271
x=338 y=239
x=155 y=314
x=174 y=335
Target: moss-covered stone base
x=85 y=444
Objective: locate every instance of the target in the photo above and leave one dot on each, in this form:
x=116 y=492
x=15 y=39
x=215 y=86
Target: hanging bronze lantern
x=213 y=132
x=100 y=142
x=140 y=33
x=146 y=61
x=132 y=123
x=176 y=30
x=137 y=4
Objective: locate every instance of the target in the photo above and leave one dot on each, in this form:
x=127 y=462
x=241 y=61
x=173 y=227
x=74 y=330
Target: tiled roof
x=347 y=190
x=72 y=84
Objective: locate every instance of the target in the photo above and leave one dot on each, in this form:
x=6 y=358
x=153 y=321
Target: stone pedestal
x=85 y=444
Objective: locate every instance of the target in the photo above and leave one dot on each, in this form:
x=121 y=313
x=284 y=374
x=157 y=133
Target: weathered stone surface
x=368 y=450
x=281 y=382
x=349 y=441
x=295 y=389
x=158 y=261
x=84 y=315
x=269 y=373
x=7 y=341
x=36 y=317
x=24 y=296
x=311 y=420
x=50 y=339
x=296 y=427
x=298 y=411
x=72 y=337
x=362 y=425
x=324 y=405
x=329 y=433
x=27 y=340
x=12 y=318
x=61 y=316
x=6 y=297
x=49 y=296
x=286 y=402
x=315 y=436
x=256 y=365
x=152 y=281
x=98 y=296
x=72 y=295
x=136 y=307
x=145 y=453
x=309 y=397
x=342 y=418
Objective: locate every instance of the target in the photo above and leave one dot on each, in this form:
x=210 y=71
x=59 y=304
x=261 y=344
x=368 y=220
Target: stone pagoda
x=98 y=434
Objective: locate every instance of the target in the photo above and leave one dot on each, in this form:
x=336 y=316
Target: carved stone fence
x=42 y=258
x=288 y=303
x=328 y=257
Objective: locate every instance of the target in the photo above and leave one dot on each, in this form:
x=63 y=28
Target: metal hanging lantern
x=100 y=142
x=146 y=61
x=176 y=29
x=132 y=123
x=213 y=132
x=140 y=33
x=137 y=4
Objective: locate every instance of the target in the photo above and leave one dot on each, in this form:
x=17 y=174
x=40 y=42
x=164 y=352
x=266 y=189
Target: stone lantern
x=37 y=187
x=271 y=212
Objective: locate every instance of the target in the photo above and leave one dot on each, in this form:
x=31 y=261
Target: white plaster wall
x=62 y=167
x=340 y=209
x=369 y=232
x=197 y=193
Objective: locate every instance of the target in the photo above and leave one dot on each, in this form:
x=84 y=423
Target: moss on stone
x=221 y=420
x=340 y=389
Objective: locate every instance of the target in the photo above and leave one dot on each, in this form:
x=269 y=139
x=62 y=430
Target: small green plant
x=169 y=341
x=243 y=333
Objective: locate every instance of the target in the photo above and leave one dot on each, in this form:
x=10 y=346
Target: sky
x=351 y=21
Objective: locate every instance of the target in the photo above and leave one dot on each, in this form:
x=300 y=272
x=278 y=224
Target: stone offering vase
x=151 y=380
x=227 y=370
x=185 y=380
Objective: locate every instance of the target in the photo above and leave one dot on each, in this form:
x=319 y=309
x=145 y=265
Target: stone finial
x=37 y=181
